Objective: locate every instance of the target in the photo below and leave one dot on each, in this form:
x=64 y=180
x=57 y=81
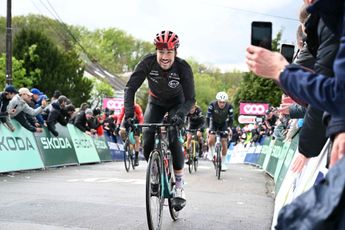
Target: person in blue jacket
x=315 y=89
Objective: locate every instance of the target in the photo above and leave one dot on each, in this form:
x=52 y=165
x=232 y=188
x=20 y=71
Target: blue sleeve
x=335 y=125
x=317 y=90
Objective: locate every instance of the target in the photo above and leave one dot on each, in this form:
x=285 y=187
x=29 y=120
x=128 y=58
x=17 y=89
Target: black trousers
x=313 y=133
x=155 y=114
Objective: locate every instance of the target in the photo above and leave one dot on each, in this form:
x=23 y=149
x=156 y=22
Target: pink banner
x=113 y=104
x=252 y=108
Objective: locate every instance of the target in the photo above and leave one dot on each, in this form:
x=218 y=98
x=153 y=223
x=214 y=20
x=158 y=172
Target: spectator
x=322 y=93
x=38 y=97
x=19 y=109
x=57 y=114
x=56 y=95
x=81 y=120
x=5 y=98
x=109 y=126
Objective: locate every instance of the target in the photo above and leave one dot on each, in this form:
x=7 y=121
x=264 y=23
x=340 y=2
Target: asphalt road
x=105 y=196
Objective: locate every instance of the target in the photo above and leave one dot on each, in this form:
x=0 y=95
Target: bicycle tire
x=190 y=160
x=219 y=163
x=154 y=196
x=126 y=156
x=173 y=213
x=132 y=155
x=195 y=158
x=216 y=161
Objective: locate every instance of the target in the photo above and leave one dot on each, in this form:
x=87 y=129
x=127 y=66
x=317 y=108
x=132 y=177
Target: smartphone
x=262 y=34
x=288 y=51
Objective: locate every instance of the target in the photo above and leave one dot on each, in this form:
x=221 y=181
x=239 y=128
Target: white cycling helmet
x=222 y=96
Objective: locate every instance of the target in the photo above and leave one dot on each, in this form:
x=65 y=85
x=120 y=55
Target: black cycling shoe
x=136 y=161
x=179 y=201
x=189 y=161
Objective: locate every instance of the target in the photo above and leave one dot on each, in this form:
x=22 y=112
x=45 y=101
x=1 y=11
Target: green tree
x=100 y=90
x=114 y=49
x=51 y=68
x=18 y=73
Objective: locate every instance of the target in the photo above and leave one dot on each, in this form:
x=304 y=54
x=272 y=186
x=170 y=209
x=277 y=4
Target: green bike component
x=131 y=138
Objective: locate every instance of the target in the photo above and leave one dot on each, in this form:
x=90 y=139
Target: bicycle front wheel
x=127 y=156
x=195 y=157
x=219 y=163
x=154 y=193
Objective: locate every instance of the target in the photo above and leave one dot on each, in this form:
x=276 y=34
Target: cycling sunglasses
x=165 y=45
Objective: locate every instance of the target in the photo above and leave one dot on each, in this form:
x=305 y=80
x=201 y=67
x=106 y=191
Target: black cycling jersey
x=195 y=120
x=166 y=87
x=219 y=117
x=171 y=91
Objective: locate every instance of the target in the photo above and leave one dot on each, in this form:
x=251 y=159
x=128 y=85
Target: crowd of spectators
x=34 y=110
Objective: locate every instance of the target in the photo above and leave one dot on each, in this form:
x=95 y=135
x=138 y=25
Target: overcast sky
x=214 y=32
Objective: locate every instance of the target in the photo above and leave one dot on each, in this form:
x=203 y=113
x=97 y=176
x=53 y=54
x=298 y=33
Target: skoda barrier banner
x=18 y=149
x=56 y=151
x=116 y=149
x=83 y=145
x=102 y=148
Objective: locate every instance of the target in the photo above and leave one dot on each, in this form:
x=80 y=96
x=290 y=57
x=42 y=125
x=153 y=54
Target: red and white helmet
x=166 y=40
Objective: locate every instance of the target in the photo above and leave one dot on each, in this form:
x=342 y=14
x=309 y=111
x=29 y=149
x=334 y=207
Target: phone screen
x=262 y=34
x=288 y=51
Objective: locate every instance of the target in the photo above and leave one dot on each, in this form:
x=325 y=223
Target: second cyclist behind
x=195 y=121
x=219 y=117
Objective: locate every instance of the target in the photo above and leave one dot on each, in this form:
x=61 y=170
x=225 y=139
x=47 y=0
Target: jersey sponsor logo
x=15 y=143
x=174 y=76
x=154 y=73
x=173 y=84
x=55 y=143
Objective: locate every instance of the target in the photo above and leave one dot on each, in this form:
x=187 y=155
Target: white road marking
x=108 y=180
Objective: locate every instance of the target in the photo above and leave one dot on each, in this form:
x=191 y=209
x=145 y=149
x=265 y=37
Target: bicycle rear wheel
x=154 y=194
x=126 y=156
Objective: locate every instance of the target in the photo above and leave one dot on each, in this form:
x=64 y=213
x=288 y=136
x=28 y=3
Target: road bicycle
x=160 y=178
x=192 y=156
x=217 y=159
x=129 y=152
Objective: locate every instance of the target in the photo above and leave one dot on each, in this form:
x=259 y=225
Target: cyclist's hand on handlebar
x=178 y=120
x=128 y=122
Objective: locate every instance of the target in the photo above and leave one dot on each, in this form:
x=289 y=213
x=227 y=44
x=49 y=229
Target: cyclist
x=138 y=119
x=219 y=118
x=195 y=121
x=171 y=89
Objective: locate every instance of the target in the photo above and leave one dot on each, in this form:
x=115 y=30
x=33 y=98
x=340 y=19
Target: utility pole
x=9 y=43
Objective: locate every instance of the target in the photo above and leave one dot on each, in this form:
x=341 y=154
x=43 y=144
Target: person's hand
x=39 y=130
x=88 y=133
x=338 y=149
x=128 y=123
x=299 y=163
x=178 y=120
x=264 y=62
x=284 y=109
x=43 y=103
